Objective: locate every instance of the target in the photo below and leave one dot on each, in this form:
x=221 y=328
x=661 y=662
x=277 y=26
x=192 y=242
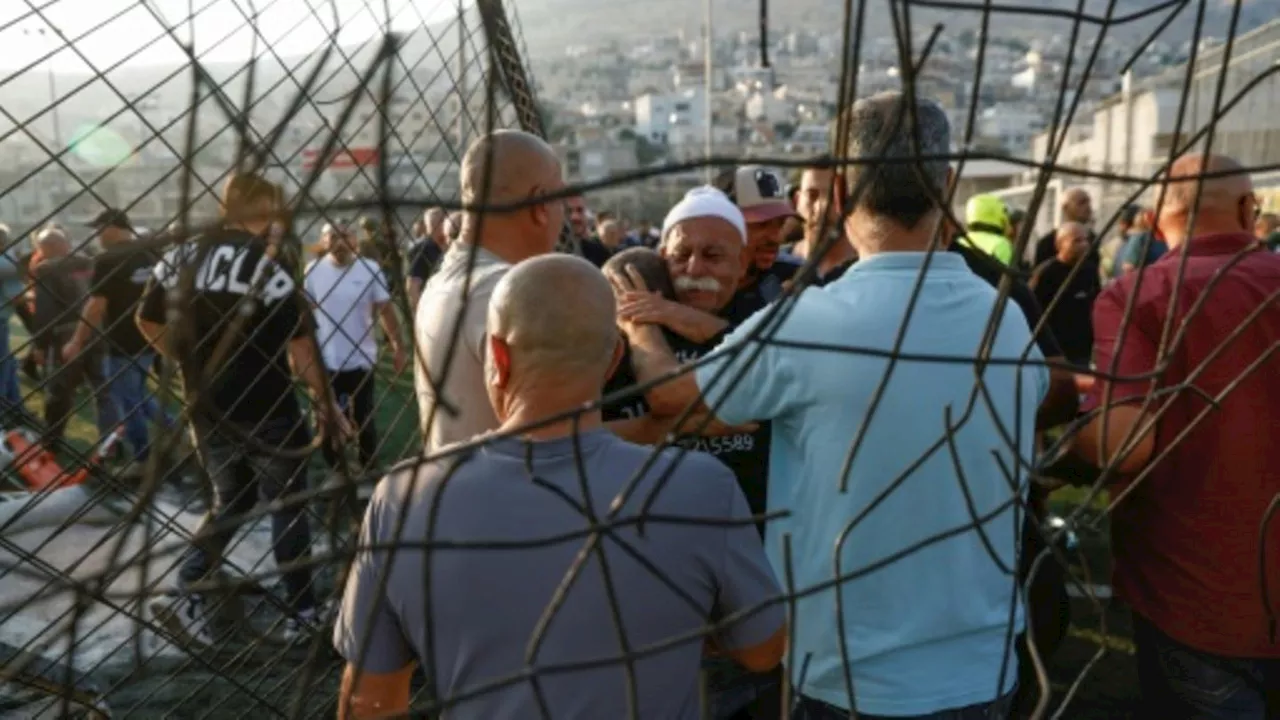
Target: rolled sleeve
x=740 y=381
x=1130 y=355
x=366 y=632
x=746 y=582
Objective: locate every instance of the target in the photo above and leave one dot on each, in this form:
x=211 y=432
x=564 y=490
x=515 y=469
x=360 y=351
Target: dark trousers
x=353 y=390
x=809 y=709
x=1182 y=683
x=240 y=474
x=1048 y=610
x=62 y=381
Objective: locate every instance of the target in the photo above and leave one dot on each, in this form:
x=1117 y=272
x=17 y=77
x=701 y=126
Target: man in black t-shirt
x=239 y=389
x=703 y=239
x=1076 y=207
x=1069 y=297
x=426 y=255
x=702 y=247
x=585 y=243
x=817 y=186
x=59 y=286
x=107 y=329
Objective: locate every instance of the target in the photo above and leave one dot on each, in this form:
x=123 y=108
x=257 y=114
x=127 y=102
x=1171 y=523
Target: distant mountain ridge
x=552 y=24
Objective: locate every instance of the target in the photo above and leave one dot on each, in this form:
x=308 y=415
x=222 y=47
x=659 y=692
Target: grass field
x=395 y=416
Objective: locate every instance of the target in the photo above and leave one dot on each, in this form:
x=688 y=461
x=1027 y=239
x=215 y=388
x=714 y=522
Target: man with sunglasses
x=1196 y=468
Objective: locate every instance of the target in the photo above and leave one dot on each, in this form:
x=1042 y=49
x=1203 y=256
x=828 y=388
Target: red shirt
x=1186 y=540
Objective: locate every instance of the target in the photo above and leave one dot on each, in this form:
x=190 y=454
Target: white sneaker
x=308 y=623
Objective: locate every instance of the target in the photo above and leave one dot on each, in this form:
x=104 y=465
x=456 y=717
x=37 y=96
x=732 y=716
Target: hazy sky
x=293 y=27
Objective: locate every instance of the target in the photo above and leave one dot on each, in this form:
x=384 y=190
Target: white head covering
x=706 y=201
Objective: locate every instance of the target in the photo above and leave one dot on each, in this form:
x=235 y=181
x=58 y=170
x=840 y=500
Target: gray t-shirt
x=460 y=378
x=522 y=500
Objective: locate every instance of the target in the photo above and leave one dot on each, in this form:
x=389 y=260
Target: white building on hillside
x=656 y=114
x=1132 y=133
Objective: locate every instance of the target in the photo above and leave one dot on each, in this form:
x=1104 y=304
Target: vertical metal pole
x=462 y=80
x=708 y=44
x=764 y=33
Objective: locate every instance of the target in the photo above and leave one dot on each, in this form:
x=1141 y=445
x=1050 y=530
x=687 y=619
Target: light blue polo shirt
x=927 y=630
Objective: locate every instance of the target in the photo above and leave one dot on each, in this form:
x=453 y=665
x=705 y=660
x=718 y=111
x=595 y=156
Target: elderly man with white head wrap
x=703 y=238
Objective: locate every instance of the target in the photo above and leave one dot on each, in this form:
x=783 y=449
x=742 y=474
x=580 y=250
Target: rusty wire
x=256 y=678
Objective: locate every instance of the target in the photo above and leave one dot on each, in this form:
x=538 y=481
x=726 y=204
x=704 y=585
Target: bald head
x=556 y=316
x=509 y=167
x=53 y=242
x=1222 y=191
x=520 y=162
x=1071 y=241
x=1221 y=203
x=1077 y=206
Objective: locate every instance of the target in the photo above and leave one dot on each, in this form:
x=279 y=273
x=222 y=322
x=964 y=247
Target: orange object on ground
x=38 y=467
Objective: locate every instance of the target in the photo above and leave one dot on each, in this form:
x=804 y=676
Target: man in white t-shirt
x=347 y=292
x=453 y=404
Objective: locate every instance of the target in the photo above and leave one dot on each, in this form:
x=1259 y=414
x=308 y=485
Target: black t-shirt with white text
x=747 y=454
x=253 y=386
x=119 y=277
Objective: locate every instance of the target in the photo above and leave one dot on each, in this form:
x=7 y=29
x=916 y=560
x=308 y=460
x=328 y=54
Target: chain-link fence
x=163 y=194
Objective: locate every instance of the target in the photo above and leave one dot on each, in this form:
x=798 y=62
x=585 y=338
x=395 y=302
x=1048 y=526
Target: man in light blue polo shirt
x=920 y=623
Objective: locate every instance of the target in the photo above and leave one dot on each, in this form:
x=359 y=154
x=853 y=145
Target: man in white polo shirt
x=347 y=293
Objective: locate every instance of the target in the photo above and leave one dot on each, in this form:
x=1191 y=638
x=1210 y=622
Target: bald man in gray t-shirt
x=512 y=584
x=486 y=605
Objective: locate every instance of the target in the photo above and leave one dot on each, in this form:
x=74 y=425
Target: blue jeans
x=807 y=708
x=10 y=394
x=136 y=405
x=1180 y=683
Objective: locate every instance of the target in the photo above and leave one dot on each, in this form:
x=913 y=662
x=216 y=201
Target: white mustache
x=684 y=283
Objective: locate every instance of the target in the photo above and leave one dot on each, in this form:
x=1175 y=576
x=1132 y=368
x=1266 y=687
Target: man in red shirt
x=1195 y=483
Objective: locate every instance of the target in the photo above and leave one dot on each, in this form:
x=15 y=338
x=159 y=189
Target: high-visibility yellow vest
x=997 y=246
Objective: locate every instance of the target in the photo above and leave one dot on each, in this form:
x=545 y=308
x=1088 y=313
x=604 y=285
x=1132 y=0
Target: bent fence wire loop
x=375 y=126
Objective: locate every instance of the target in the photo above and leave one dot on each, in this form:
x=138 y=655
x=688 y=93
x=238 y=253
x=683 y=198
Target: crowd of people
x=904 y=513
x=788 y=443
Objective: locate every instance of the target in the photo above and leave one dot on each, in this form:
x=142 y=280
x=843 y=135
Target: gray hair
x=434 y=219
x=51 y=234
x=882 y=126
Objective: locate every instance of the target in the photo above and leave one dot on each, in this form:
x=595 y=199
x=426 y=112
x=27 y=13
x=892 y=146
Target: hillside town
x=616 y=109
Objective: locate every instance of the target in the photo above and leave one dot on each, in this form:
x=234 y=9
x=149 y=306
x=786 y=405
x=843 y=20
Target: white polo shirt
x=346 y=300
